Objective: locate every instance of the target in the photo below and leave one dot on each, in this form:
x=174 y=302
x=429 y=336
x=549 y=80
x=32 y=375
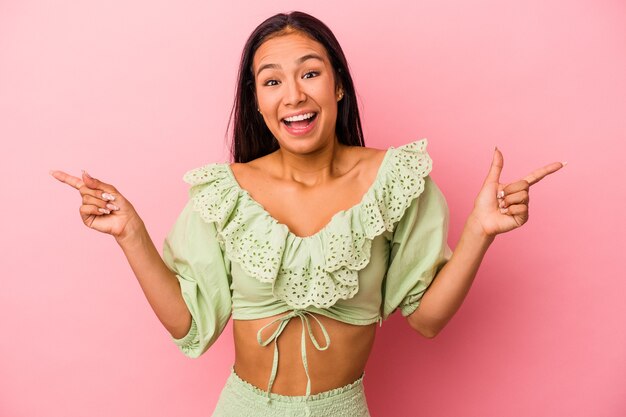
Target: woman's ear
x=339 y=93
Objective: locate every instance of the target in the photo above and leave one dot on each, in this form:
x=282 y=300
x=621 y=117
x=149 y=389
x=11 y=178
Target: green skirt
x=242 y=399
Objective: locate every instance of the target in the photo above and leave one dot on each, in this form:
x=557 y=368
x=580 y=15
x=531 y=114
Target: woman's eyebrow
x=299 y=61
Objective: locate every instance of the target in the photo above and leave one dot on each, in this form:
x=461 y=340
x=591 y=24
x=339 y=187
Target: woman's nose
x=294 y=93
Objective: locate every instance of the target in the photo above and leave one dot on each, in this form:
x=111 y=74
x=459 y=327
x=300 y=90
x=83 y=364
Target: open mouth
x=301 y=121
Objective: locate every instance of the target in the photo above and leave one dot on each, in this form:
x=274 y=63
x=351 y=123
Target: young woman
x=308 y=237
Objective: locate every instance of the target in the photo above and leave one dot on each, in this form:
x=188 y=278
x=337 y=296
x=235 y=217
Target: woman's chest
x=252 y=296
x=307 y=209
x=306 y=212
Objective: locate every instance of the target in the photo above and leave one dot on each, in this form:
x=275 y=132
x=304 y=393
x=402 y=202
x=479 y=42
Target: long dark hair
x=251 y=136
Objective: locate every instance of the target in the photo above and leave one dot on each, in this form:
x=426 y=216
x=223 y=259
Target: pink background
x=138 y=92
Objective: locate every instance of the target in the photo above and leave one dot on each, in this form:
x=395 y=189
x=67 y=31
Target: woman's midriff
x=341 y=364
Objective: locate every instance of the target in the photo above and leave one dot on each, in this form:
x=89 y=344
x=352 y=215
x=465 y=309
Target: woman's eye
x=312 y=74
x=271 y=83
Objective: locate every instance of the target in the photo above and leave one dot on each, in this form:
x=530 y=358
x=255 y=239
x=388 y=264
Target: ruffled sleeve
x=193 y=253
x=418 y=250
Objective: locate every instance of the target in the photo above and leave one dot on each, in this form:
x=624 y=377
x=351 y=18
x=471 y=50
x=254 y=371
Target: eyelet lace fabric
x=320 y=269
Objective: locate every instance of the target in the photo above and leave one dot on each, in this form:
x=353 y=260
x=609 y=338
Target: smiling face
x=295 y=90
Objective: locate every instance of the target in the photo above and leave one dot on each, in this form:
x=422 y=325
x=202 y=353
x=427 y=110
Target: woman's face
x=295 y=90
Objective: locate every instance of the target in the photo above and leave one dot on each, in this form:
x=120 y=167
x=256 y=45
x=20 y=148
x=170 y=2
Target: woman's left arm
x=498 y=208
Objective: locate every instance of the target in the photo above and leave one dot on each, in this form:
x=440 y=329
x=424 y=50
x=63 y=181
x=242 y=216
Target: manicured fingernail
x=112 y=206
x=103 y=210
x=501 y=203
x=108 y=196
x=86 y=174
x=501 y=194
x=564 y=163
x=504 y=210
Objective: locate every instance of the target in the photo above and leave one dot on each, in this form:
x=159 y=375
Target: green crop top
x=232 y=258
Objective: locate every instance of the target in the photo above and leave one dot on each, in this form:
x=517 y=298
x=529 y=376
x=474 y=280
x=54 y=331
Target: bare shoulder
x=368 y=161
x=369 y=155
x=250 y=174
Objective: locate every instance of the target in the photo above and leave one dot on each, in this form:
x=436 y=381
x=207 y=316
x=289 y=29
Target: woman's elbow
x=427 y=331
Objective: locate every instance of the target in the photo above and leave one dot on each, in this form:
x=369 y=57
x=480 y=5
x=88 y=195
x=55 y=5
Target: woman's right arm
x=158 y=283
x=105 y=209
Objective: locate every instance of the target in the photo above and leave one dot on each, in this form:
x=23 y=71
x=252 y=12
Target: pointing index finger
x=67 y=179
x=538 y=174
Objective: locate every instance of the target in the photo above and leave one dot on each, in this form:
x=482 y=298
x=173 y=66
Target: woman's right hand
x=104 y=208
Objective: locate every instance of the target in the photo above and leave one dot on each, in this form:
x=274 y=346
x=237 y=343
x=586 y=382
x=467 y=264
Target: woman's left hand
x=499 y=208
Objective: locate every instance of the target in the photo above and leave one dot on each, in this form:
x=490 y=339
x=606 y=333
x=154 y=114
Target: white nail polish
x=112 y=206
x=501 y=194
x=504 y=210
x=103 y=210
x=108 y=196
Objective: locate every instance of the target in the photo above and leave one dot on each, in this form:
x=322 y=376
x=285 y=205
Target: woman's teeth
x=299 y=118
